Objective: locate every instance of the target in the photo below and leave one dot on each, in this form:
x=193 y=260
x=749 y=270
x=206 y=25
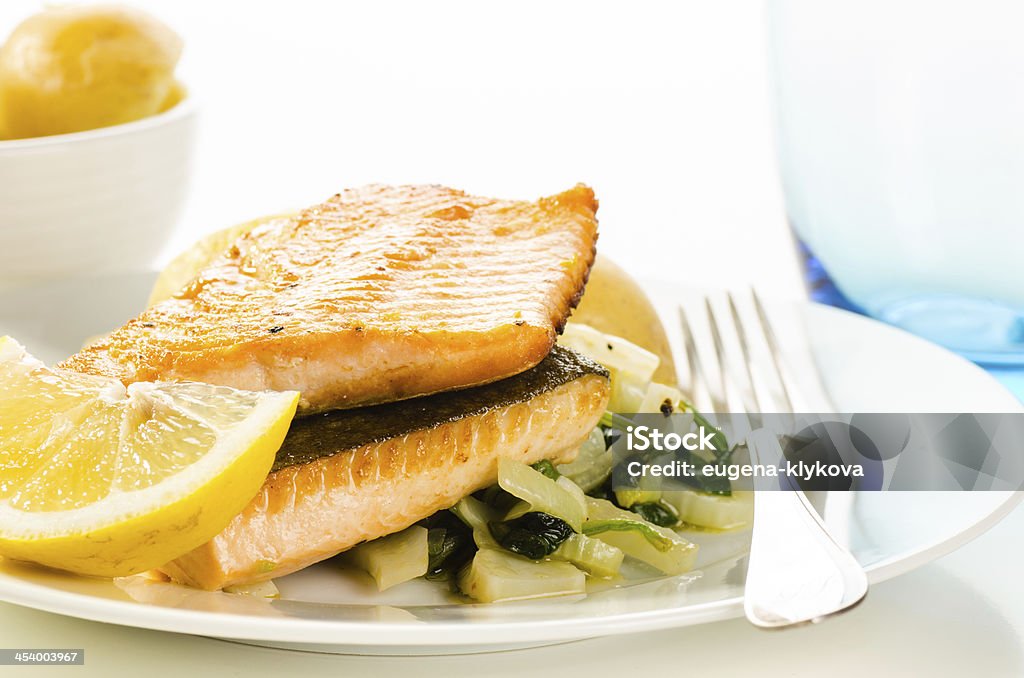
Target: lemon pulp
x=101 y=479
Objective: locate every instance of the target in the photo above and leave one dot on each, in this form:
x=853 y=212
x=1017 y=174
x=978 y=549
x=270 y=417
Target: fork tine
x=795 y=567
x=782 y=393
x=740 y=424
x=697 y=388
x=722 y=405
x=748 y=392
x=703 y=394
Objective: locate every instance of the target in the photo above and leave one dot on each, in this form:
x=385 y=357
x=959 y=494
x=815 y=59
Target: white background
x=663 y=109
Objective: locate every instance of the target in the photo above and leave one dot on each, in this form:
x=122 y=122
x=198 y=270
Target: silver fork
x=797 y=573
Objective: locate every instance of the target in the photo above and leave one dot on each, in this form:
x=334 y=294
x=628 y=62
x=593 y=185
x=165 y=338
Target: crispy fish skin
x=324 y=497
x=379 y=294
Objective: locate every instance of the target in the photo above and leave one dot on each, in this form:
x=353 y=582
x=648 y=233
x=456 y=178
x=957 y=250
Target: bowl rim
x=183 y=109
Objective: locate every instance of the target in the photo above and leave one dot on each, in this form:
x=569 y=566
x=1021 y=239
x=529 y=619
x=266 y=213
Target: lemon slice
x=104 y=480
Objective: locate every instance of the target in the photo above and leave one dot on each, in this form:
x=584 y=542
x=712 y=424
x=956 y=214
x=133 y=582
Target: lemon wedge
x=104 y=480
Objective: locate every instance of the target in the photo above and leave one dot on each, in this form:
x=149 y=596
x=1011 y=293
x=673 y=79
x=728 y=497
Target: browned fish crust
x=379 y=294
x=349 y=477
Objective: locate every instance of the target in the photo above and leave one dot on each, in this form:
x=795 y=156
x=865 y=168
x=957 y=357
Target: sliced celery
x=630 y=496
x=590 y=554
x=604 y=516
x=393 y=559
x=541 y=493
x=496 y=576
x=518 y=510
x=593 y=463
x=643 y=490
x=712 y=510
x=575 y=490
x=661 y=398
x=477 y=515
x=676 y=560
x=613 y=352
x=659 y=547
x=263 y=589
x=595 y=528
x=627 y=392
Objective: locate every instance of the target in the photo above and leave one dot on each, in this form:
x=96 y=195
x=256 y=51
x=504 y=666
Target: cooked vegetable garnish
x=615 y=353
x=631 y=367
x=541 y=493
x=393 y=559
x=604 y=516
x=593 y=463
x=547 y=468
x=615 y=421
x=477 y=515
x=626 y=498
x=659 y=513
x=677 y=559
x=711 y=483
x=498 y=499
x=722 y=449
x=590 y=554
x=659 y=547
x=262 y=589
x=575 y=490
x=712 y=510
x=661 y=398
x=495 y=576
x=646 y=530
x=450 y=544
x=534 y=535
x=631 y=490
x=611 y=435
x=627 y=392
x=542 y=529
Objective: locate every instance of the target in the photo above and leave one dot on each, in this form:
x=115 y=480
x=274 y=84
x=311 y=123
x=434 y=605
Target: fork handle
x=796 y=572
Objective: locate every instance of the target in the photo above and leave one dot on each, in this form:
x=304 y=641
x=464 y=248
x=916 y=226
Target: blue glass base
x=982 y=330
x=820 y=286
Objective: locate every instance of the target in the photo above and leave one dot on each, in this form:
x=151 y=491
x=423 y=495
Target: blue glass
x=820 y=285
x=902 y=161
x=986 y=331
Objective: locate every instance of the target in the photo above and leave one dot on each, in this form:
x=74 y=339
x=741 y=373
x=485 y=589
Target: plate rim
x=432 y=634
x=460 y=635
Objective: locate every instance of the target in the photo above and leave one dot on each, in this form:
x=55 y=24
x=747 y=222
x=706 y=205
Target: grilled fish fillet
x=354 y=475
x=379 y=294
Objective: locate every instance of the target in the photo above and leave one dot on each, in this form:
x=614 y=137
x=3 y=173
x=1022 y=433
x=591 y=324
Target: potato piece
x=174 y=97
x=614 y=303
x=69 y=69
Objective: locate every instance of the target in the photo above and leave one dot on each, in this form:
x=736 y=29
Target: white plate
x=866 y=366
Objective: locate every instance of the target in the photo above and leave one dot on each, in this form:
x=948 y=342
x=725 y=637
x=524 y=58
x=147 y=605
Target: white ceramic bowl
x=104 y=200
